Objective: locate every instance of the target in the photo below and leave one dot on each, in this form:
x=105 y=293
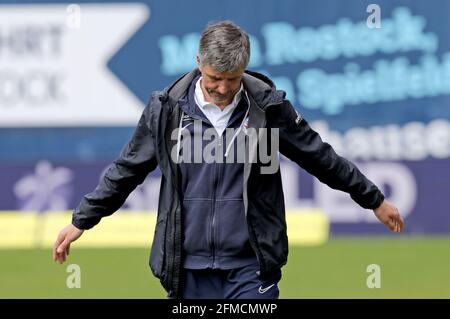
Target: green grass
x=410 y=268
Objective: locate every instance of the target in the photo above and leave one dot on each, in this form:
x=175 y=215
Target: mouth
x=218 y=96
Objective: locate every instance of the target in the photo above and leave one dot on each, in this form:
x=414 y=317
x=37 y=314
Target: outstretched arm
x=136 y=161
x=301 y=144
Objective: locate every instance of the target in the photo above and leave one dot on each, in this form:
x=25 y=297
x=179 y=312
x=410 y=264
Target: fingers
x=396 y=223
x=62 y=256
x=61 y=248
x=58 y=242
x=62 y=251
x=397 y=227
x=58 y=256
x=391 y=224
x=401 y=222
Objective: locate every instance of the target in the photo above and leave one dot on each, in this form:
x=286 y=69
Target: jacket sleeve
x=130 y=169
x=301 y=144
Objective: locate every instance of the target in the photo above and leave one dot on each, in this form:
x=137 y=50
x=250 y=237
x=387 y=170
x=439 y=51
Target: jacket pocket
x=233 y=239
x=157 y=251
x=197 y=226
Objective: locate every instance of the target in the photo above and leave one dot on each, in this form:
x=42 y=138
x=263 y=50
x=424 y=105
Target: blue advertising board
x=373 y=80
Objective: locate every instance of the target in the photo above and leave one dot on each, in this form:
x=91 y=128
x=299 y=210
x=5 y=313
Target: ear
x=198 y=63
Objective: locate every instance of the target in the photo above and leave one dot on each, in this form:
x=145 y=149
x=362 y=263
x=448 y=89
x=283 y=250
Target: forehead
x=227 y=75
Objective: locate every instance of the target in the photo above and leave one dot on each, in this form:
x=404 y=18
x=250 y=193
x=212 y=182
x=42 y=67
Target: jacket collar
x=259 y=87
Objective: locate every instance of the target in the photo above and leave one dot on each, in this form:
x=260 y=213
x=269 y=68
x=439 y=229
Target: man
x=221 y=230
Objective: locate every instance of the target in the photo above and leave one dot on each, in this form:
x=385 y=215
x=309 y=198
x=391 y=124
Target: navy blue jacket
x=215 y=234
x=263 y=199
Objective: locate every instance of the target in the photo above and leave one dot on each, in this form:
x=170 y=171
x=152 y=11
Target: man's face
x=220 y=87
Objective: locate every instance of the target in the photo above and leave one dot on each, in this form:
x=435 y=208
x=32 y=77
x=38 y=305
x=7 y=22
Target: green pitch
x=411 y=267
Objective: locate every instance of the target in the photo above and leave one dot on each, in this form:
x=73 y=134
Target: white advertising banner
x=53 y=64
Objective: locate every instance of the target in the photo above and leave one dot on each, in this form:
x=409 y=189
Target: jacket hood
x=262 y=89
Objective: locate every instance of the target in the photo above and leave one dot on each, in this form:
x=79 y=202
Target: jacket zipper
x=213 y=219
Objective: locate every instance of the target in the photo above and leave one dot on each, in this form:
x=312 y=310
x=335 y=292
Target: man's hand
x=388 y=214
x=66 y=236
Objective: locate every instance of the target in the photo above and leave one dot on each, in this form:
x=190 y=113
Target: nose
x=223 y=88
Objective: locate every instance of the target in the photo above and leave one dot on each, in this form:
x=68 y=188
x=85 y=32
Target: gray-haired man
x=221 y=230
